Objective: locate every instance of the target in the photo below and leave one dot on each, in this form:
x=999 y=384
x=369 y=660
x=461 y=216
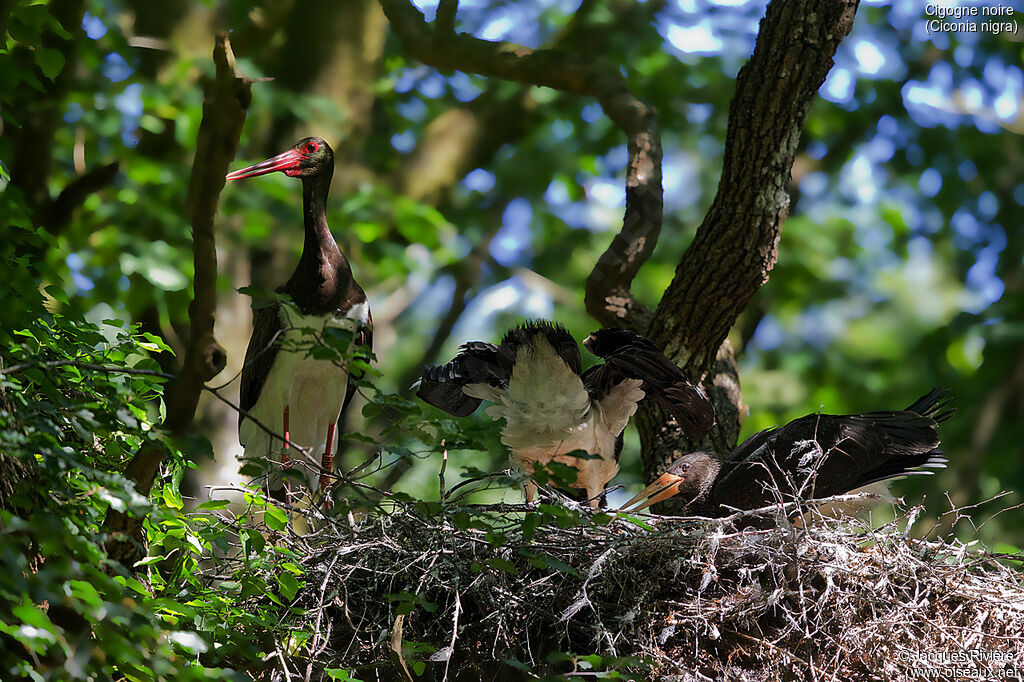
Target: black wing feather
x=628 y=355
x=476 y=363
x=264 y=345
x=522 y=335
x=363 y=337
x=842 y=453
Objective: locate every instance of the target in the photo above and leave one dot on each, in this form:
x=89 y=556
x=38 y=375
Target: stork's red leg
x=327 y=461
x=285 y=459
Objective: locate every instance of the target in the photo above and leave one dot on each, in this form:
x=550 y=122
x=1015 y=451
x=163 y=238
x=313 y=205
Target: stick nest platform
x=421 y=591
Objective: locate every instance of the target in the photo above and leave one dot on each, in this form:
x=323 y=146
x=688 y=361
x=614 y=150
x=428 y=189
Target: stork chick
x=813 y=457
x=551 y=408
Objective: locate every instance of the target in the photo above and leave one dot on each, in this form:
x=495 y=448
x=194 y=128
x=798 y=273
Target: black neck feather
x=322 y=283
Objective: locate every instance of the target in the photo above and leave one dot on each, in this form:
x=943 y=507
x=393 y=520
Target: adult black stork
x=291 y=390
x=551 y=409
x=813 y=457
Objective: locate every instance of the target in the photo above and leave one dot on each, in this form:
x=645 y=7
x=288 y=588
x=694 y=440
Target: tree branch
x=227 y=100
x=608 y=287
x=739 y=234
x=445 y=17
x=58 y=212
x=736 y=245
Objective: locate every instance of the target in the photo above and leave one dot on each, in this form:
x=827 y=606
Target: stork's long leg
x=529 y=490
x=285 y=459
x=327 y=461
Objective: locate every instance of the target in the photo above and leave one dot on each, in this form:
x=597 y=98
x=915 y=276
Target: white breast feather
x=313 y=389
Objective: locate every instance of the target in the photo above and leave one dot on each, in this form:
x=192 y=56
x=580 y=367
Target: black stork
x=813 y=457
x=551 y=409
x=285 y=387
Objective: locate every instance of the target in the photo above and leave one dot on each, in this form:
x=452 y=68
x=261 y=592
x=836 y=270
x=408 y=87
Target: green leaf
x=213 y=504
x=502 y=565
x=86 y=592
x=276 y=518
x=155 y=343
x=428 y=507
x=50 y=62
x=530 y=524
x=496 y=538
x=558 y=564
x=33 y=615
x=288 y=585
x=149 y=560
x=171 y=497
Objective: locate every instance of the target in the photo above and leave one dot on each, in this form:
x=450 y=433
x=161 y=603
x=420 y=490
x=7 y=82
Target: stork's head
x=309 y=157
x=691 y=476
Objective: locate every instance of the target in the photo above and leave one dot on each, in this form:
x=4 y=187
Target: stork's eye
x=310 y=147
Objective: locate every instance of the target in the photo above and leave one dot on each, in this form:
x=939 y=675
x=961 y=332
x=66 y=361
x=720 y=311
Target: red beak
x=288 y=161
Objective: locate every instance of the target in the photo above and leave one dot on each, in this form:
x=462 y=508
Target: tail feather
x=923 y=464
x=544 y=395
x=934 y=405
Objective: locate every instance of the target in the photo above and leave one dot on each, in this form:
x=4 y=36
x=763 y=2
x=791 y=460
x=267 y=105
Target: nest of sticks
x=480 y=592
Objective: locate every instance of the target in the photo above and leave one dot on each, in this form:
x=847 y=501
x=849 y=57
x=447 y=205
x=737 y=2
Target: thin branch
x=440 y=474
x=608 y=288
x=736 y=245
x=227 y=100
x=58 y=212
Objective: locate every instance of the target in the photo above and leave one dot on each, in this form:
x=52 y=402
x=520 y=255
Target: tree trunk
x=736 y=245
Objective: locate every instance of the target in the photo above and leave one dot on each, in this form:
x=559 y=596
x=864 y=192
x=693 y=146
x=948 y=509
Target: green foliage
x=874 y=298
x=65 y=431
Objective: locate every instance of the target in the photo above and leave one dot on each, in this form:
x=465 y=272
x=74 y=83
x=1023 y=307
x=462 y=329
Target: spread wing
x=634 y=357
x=476 y=363
x=264 y=345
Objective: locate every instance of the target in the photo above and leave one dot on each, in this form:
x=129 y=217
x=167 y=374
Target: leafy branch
x=227 y=100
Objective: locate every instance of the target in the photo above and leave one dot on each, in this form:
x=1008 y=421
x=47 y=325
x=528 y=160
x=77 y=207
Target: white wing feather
x=544 y=399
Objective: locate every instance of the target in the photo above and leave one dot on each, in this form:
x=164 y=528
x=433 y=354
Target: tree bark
x=608 y=296
x=227 y=100
x=736 y=245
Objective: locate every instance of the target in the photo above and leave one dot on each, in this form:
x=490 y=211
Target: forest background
x=467 y=203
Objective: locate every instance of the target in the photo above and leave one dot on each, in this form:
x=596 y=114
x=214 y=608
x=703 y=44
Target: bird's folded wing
x=264 y=345
x=364 y=337
x=820 y=455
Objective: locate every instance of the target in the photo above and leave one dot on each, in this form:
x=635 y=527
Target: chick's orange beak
x=663 y=488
